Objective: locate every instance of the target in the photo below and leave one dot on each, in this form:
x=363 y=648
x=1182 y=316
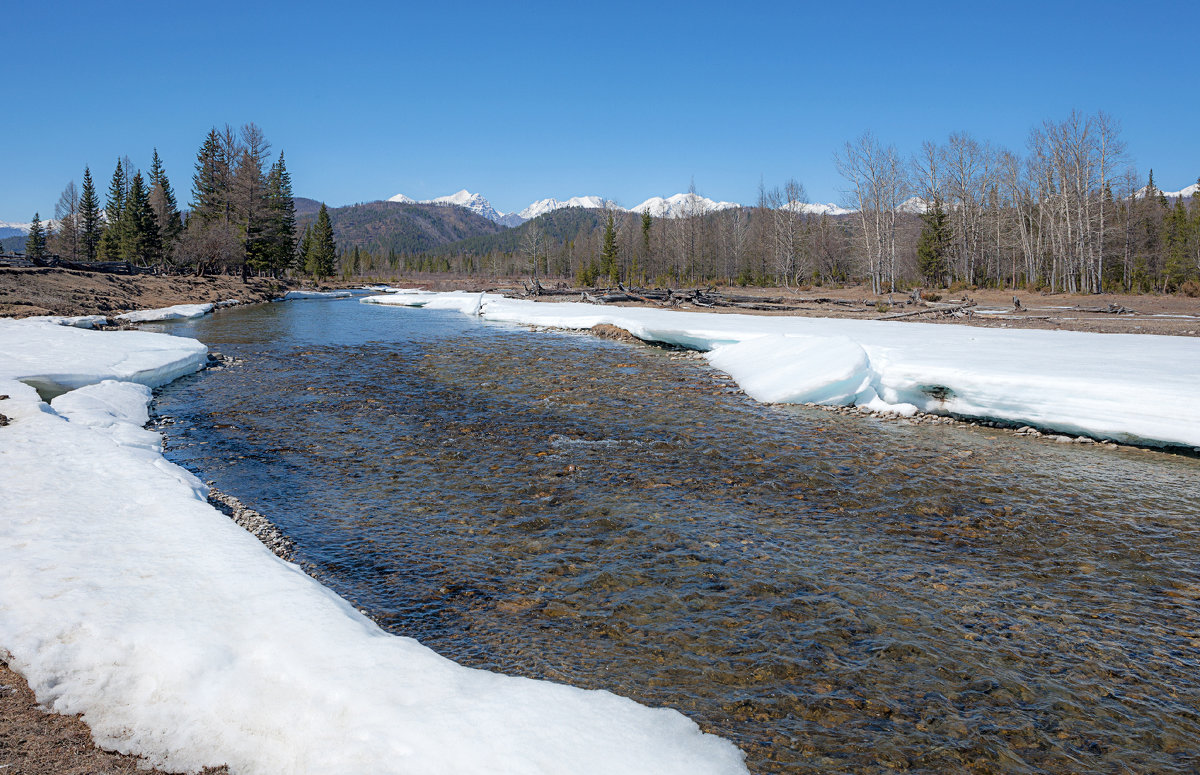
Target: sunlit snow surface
x=1127 y=387
x=179 y=637
x=292 y=295
x=176 y=312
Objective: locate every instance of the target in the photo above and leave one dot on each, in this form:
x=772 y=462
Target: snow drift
x=179 y=637
x=1133 y=388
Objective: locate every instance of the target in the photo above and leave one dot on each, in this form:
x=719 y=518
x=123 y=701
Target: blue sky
x=524 y=101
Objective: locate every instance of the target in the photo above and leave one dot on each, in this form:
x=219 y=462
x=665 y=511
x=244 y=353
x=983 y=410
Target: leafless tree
x=65 y=240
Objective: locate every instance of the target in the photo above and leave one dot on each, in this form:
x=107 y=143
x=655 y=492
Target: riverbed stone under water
x=833 y=593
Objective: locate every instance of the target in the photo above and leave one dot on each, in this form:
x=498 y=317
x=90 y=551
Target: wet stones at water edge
x=253 y=522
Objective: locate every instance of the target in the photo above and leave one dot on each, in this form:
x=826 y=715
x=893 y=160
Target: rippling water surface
x=831 y=593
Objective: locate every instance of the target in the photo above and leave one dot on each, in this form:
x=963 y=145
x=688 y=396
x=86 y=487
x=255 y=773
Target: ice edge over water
x=1133 y=388
x=180 y=638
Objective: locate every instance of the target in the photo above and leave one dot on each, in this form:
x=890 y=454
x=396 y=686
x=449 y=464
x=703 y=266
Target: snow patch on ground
x=80 y=321
x=179 y=637
x=176 y=312
x=1133 y=388
x=56 y=358
x=292 y=295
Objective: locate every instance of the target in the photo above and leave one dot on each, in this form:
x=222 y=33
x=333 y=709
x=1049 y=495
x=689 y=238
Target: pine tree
x=281 y=232
x=305 y=247
x=933 y=246
x=35 y=243
x=89 y=218
x=110 y=240
x=250 y=200
x=138 y=228
x=321 y=256
x=166 y=209
x=208 y=190
x=608 y=254
x=1177 y=261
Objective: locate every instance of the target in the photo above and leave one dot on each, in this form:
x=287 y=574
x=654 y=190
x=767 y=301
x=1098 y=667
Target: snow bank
x=80 y=321
x=293 y=295
x=176 y=312
x=179 y=637
x=459 y=301
x=56 y=358
x=1127 y=387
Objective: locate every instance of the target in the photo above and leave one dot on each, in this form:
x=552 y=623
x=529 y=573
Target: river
x=831 y=593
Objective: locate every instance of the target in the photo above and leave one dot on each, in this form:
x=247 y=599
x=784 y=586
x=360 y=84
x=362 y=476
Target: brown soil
x=25 y=292
x=34 y=742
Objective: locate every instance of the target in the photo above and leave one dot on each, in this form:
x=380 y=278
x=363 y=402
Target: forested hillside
x=395 y=227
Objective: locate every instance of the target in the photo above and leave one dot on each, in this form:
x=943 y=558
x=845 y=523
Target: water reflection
x=833 y=594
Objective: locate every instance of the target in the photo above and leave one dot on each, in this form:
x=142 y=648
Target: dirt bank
x=25 y=292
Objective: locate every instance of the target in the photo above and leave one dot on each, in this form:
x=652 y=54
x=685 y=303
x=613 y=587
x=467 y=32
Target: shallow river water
x=833 y=594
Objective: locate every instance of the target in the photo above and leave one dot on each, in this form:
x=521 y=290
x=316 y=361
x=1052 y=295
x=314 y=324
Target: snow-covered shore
x=179 y=637
x=1130 y=388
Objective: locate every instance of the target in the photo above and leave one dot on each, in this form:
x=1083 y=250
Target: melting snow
x=176 y=312
x=179 y=637
x=1128 y=387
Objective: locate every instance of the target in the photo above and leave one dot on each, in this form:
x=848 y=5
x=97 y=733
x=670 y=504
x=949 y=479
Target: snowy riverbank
x=129 y=599
x=1129 y=388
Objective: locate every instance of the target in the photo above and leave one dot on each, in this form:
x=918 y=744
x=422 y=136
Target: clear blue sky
x=524 y=101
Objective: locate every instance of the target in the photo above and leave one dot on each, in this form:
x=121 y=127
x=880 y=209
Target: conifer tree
x=608 y=254
x=138 y=228
x=281 y=231
x=208 y=194
x=110 y=240
x=166 y=209
x=89 y=218
x=321 y=256
x=35 y=243
x=933 y=246
x=250 y=200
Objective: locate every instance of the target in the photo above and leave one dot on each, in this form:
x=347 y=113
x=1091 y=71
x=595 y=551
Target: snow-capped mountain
x=811 y=208
x=1184 y=193
x=543 y=206
x=476 y=203
x=8 y=229
x=680 y=205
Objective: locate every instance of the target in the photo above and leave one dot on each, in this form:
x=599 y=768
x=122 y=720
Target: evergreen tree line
x=242 y=217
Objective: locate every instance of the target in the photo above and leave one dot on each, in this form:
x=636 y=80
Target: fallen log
x=941 y=310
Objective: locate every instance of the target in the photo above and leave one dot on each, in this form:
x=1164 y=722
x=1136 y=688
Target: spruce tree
x=89 y=218
x=320 y=259
x=608 y=254
x=138 y=228
x=110 y=240
x=933 y=246
x=35 y=243
x=281 y=231
x=250 y=200
x=168 y=220
x=208 y=191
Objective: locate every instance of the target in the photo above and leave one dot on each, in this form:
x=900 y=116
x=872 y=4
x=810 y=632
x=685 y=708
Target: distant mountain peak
x=543 y=206
x=476 y=203
x=680 y=205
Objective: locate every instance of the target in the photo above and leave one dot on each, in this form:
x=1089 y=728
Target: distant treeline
x=1069 y=215
x=242 y=218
